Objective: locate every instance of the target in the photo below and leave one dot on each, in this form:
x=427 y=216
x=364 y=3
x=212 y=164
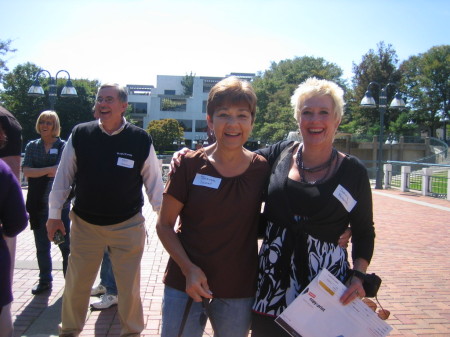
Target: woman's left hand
x=52 y=171
x=355 y=289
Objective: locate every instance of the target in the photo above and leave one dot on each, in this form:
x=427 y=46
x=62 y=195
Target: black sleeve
x=272 y=152
x=13 y=131
x=361 y=218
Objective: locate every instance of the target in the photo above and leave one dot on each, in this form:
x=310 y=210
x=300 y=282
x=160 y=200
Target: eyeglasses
x=107 y=100
x=382 y=313
x=48 y=123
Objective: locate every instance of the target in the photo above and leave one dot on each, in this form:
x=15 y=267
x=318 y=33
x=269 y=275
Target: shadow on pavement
x=46 y=318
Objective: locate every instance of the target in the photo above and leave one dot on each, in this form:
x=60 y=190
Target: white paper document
x=317 y=312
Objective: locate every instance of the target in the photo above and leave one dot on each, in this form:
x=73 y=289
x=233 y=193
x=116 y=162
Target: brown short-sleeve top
x=218 y=224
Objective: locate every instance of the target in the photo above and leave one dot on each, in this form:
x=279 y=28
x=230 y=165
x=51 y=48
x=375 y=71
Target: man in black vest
x=110 y=159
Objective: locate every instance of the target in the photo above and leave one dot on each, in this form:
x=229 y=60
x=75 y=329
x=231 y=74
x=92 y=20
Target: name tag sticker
x=53 y=151
x=124 y=162
x=207 y=181
x=344 y=197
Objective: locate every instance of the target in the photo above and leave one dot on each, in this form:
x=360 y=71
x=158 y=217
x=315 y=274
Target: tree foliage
x=376 y=66
x=275 y=87
x=164 y=132
x=188 y=84
x=426 y=81
x=71 y=111
x=5 y=48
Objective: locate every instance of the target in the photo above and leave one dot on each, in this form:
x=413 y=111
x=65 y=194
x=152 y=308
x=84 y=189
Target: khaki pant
x=126 y=245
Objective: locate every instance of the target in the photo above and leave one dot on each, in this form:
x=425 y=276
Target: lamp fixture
x=36 y=89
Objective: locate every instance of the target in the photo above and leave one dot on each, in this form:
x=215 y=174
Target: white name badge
x=207 y=181
x=344 y=197
x=53 y=151
x=124 y=162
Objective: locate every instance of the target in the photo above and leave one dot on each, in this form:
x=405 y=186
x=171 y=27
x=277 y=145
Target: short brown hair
x=122 y=92
x=231 y=90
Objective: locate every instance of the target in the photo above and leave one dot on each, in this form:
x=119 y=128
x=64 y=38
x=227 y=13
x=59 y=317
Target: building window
x=169 y=92
x=201 y=126
x=207 y=86
x=209 y=82
x=138 y=108
x=173 y=104
x=204 y=107
x=186 y=124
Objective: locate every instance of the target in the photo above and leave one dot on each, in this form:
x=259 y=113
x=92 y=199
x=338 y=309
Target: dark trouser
x=43 y=246
x=265 y=326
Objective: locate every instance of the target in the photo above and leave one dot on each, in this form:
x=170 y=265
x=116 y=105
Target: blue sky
x=132 y=41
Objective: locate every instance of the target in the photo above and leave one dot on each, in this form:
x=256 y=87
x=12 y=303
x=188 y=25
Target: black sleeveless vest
x=108 y=181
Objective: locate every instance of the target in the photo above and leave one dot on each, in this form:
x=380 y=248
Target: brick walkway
x=411 y=255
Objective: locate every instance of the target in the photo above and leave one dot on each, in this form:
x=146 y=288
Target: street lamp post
x=37 y=91
x=369 y=102
x=445 y=120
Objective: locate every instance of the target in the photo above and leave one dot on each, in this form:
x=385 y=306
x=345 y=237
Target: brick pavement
x=411 y=256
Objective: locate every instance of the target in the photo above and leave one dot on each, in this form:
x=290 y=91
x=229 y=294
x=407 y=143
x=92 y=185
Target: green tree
x=164 y=132
x=188 y=84
x=376 y=66
x=274 y=89
x=71 y=111
x=426 y=81
x=128 y=117
x=5 y=48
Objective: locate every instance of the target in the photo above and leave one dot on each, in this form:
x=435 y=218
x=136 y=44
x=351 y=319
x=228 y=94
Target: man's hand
x=176 y=159
x=52 y=226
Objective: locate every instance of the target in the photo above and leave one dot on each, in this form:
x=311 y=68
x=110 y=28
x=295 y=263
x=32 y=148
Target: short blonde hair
x=51 y=115
x=315 y=87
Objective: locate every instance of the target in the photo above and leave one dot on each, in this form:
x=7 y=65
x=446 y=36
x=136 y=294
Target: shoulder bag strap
x=187 y=308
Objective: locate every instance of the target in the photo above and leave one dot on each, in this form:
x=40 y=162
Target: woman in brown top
x=216 y=193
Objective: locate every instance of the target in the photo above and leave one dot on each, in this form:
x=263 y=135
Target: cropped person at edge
x=10 y=150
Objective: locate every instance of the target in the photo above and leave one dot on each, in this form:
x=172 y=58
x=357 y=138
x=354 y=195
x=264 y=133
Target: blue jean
x=231 y=316
x=43 y=246
x=107 y=276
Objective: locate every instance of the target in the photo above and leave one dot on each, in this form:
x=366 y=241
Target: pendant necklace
x=302 y=169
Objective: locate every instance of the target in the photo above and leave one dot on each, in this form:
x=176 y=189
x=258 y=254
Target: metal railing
x=426 y=178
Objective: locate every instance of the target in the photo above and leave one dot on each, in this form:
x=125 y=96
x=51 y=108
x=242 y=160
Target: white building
x=138 y=101
x=168 y=100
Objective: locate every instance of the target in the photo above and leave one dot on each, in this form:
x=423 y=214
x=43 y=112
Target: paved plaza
x=411 y=255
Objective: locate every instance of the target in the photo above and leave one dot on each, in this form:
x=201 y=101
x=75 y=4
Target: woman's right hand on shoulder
x=176 y=159
x=344 y=239
x=197 y=284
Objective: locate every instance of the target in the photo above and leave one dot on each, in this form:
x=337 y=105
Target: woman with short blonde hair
x=40 y=163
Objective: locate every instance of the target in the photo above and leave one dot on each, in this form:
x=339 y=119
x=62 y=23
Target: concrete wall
x=397 y=152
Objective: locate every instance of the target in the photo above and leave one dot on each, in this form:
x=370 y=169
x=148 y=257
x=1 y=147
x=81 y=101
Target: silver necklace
x=326 y=165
